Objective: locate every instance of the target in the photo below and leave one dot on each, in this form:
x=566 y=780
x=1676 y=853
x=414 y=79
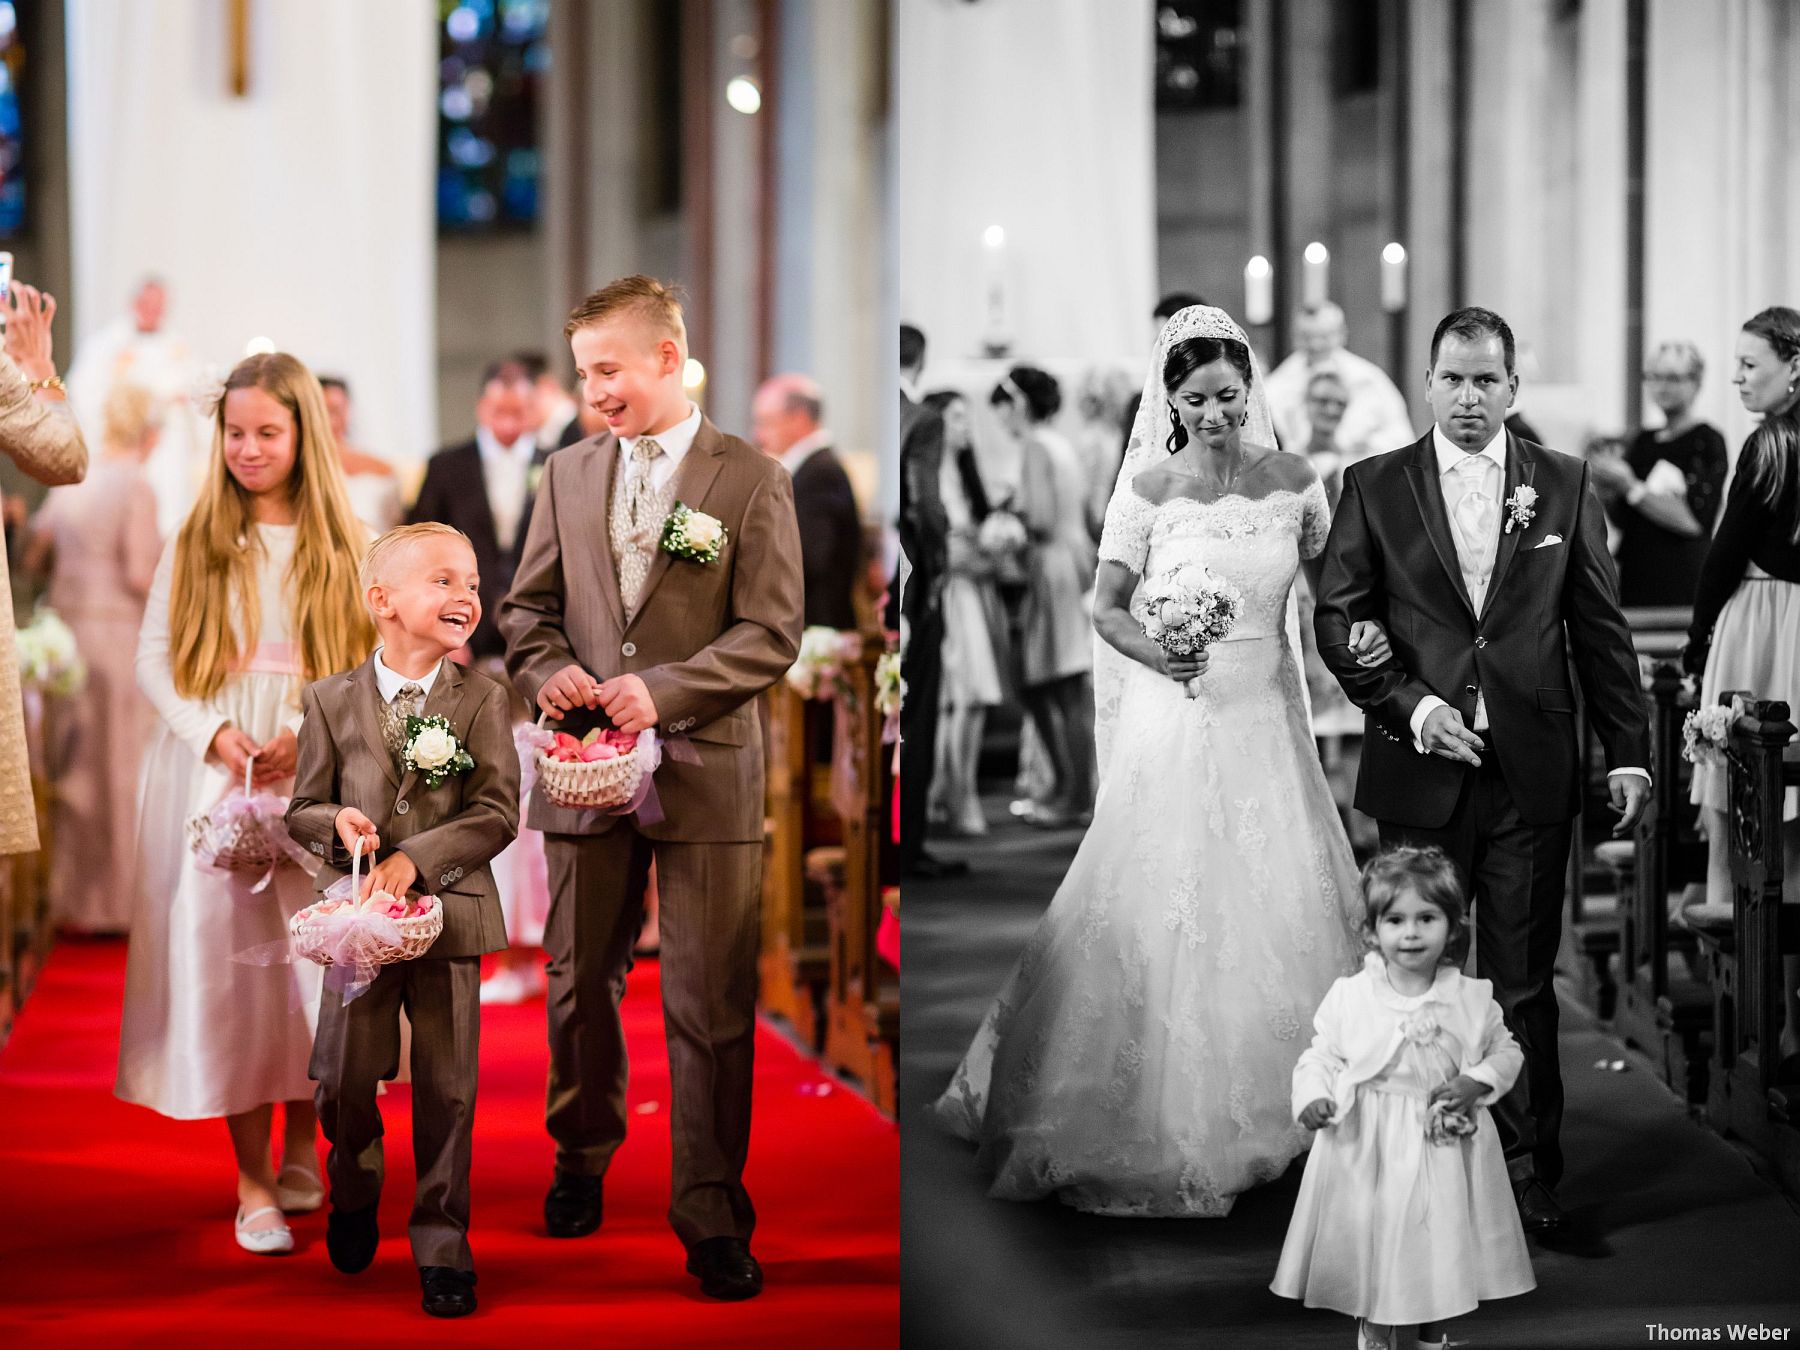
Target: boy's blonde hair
x=386 y=553
x=215 y=618
x=645 y=299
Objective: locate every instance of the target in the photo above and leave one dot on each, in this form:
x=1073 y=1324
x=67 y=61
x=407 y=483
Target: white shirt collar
x=1450 y=454
x=491 y=446
x=804 y=449
x=675 y=442
x=390 y=684
x=910 y=389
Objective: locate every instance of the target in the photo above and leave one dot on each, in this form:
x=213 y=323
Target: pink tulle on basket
x=244 y=832
x=354 y=938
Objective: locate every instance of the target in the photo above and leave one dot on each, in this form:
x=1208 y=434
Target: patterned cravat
x=1475 y=516
x=633 y=515
x=393 y=717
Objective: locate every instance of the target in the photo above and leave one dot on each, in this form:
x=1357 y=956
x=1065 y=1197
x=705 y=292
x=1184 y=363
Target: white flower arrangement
x=693 y=535
x=433 y=750
x=1519 y=507
x=890 y=688
x=1705 y=731
x=48 y=658
x=823 y=651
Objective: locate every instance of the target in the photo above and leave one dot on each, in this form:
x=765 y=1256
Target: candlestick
x=1315 y=285
x=1393 y=278
x=996 y=333
x=1259 y=291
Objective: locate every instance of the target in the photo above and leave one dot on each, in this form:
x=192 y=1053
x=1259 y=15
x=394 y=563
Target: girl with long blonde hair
x=256 y=597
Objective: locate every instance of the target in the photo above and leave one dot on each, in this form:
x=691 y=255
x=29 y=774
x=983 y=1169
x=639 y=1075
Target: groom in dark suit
x=1484 y=558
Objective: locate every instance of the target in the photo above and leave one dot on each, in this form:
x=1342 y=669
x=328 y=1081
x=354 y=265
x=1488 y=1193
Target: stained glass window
x=12 y=137
x=493 y=55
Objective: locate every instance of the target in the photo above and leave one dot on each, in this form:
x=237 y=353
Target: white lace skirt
x=1139 y=1060
x=1756 y=647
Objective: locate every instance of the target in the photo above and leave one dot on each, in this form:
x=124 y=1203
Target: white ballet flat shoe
x=301 y=1199
x=276 y=1241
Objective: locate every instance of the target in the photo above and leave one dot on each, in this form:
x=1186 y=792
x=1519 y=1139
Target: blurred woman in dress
x=41 y=437
x=972 y=618
x=1746 y=627
x=1056 y=636
x=99 y=543
x=1664 y=493
x=370 y=480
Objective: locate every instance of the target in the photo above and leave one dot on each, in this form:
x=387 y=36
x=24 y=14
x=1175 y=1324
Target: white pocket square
x=1551 y=542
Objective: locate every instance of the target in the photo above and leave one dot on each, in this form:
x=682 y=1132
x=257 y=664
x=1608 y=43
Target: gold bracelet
x=54 y=382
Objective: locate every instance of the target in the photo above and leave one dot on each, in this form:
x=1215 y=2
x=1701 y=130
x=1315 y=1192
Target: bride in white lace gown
x=1139 y=1060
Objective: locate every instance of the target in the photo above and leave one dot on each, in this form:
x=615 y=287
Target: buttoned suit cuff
x=1427 y=705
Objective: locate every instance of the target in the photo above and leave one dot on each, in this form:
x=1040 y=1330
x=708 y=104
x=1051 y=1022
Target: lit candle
x=1315 y=284
x=993 y=249
x=1393 y=278
x=1259 y=291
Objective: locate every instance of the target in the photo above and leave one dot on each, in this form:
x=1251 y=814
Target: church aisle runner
x=1672 y=1227
x=115 y=1224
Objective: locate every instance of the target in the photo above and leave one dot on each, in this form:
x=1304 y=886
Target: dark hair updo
x=1039 y=389
x=1189 y=355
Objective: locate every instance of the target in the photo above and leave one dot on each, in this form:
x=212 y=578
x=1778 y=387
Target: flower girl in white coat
x=1405 y=1217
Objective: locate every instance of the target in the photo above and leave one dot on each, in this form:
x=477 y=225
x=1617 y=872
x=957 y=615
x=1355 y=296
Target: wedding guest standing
x=1376 y=419
x=784 y=423
x=99 y=538
x=971 y=617
x=1056 y=640
x=256 y=596
x=44 y=441
x=370 y=480
x=1665 y=493
x=1746 y=628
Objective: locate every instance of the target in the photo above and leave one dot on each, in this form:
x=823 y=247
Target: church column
x=1434 y=220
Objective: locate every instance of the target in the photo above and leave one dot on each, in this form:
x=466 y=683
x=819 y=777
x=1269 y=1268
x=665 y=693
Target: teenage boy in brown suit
x=432 y=806
x=602 y=615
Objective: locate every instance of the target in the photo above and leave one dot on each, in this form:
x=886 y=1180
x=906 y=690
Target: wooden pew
x=794 y=961
x=862 y=996
x=26 y=925
x=1669 y=1018
x=1748 y=1096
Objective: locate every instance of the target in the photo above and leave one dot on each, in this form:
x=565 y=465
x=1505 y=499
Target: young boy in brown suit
x=432 y=804
x=674 y=620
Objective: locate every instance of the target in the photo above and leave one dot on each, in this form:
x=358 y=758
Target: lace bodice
x=1256 y=543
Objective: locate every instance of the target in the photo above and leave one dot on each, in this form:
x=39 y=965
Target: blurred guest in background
x=1100 y=402
x=373 y=485
x=1056 y=639
x=972 y=620
x=137 y=348
x=1327 y=396
x=98 y=541
x=1745 y=632
x=485 y=487
x=1375 y=418
x=558 y=415
x=784 y=419
x=915 y=605
x=1665 y=493
x=45 y=442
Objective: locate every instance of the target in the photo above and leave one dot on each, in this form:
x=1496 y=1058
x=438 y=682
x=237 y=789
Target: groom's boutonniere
x=1518 y=507
x=693 y=535
x=433 y=750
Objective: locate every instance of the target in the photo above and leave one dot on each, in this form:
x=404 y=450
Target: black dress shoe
x=448 y=1292
x=726 y=1268
x=925 y=867
x=1538 y=1210
x=572 y=1208
x=351 y=1238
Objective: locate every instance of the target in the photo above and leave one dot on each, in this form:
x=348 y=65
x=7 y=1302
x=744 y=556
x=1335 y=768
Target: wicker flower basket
x=233 y=841
x=315 y=936
x=602 y=784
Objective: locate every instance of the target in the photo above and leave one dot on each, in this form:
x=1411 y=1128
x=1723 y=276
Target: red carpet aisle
x=115 y=1224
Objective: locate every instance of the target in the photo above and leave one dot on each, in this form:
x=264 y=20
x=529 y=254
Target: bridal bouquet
x=1187 y=609
x=1705 y=731
x=48 y=659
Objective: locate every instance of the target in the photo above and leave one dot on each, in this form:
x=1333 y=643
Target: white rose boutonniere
x=433 y=750
x=693 y=535
x=1519 y=507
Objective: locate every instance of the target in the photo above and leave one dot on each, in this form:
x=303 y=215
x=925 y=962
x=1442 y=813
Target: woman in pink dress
x=99 y=539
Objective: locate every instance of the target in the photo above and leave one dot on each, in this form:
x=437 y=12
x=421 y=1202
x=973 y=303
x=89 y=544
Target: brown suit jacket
x=451 y=832
x=706 y=639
